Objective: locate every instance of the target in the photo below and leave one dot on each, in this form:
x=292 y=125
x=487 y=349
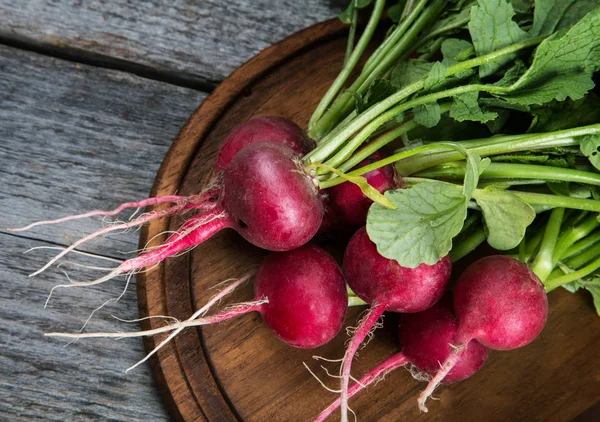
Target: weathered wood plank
x=77 y=138
x=205 y=40
x=40 y=379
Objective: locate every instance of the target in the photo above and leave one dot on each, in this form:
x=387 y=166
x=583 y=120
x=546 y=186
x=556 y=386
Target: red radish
x=275 y=216
x=258 y=129
x=386 y=285
x=264 y=129
x=426 y=340
x=348 y=205
x=500 y=303
x=301 y=295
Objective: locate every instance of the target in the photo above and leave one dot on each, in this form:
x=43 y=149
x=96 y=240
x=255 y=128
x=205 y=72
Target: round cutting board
x=237 y=370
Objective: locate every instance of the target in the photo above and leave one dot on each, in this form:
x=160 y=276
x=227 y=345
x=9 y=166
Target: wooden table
x=91 y=95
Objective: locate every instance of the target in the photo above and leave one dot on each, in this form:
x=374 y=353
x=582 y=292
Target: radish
x=275 y=216
x=426 y=338
x=346 y=206
x=386 y=285
x=500 y=303
x=301 y=295
x=263 y=129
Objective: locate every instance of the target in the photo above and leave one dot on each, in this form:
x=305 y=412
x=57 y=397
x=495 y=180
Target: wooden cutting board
x=237 y=370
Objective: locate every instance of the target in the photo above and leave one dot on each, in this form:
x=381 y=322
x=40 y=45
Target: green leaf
x=506 y=216
x=379 y=90
x=573 y=190
x=421 y=229
x=591 y=284
x=466 y=107
x=513 y=74
x=428 y=115
x=435 y=77
x=563 y=65
x=491 y=28
x=500 y=103
x=594 y=289
x=522 y=6
x=456 y=50
x=590 y=147
x=551 y=15
x=568 y=114
x=346 y=15
x=395 y=12
x=409 y=71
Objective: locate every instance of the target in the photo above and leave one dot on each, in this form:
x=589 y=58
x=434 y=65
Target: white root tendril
x=112 y=300
x=100 y=280
x=163 y=317
x=417 y=374
x=155 y=201
x=176 y=327
x=319 y=380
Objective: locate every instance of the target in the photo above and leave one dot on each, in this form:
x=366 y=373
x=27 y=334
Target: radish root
x=178 y=326
x=445 y=368
x=364 y=327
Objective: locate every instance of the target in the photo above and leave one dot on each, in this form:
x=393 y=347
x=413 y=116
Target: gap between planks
x=77 y=55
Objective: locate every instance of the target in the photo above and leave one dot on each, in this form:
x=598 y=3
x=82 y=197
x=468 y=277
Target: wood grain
x=74 y=138
x=201 y=41
x=77 y=138
x=238 y=370
x=40 y=378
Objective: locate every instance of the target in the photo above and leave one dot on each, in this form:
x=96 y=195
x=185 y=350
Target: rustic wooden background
x=91 y=95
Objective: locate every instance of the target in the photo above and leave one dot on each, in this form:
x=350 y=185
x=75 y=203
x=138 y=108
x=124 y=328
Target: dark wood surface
x=239 y=370
x=91 y=96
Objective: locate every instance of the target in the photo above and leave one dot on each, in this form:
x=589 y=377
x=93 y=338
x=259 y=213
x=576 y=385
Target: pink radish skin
x=386 y=285
x=376 y=279
x=273 y=203
x=307 y=296
x=426 y=339
x=349 y=206
x=500 y=303
x=264 y=129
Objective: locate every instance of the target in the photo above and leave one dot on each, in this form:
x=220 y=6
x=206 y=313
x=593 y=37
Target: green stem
x=573 y=234
x=558 y=201
x=351 y=35
x=584 y=257
x=414 y=159
x=396 y=44
x=499 y=145
x=468 y=245
x=366 y=132
x=351 y=63
x=534 y=243
x=574 y=276
x=508 y=170
x=384 y=139
x=456 y=25
x=356 y=301
x=543 y=264
x=582 y=245
x=323 y=151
